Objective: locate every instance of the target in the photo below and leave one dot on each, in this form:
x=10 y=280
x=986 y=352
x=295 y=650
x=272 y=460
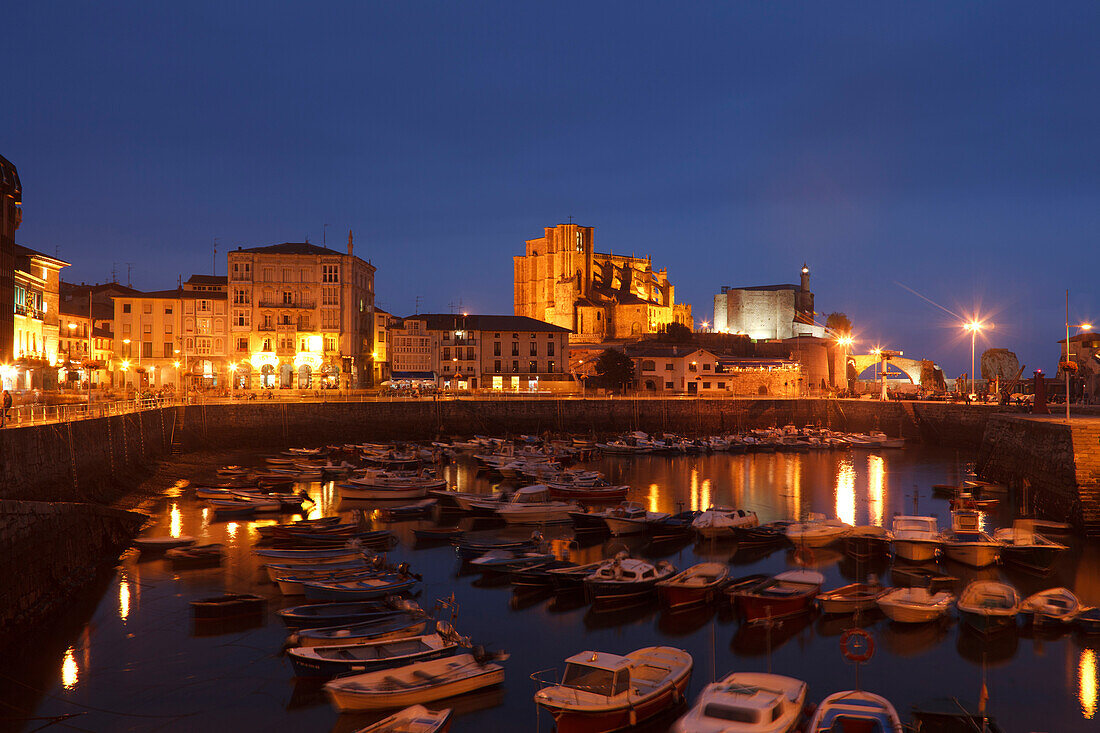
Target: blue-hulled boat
x=338 y=660
x=313 y=615
x=360 y=590
x=395 y=627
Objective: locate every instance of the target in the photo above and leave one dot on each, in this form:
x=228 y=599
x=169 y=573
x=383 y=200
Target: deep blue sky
x=953 y=148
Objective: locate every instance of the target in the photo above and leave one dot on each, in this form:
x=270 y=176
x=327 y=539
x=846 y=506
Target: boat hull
x=308 y=666
x=916 y=550
x=985 y=623
x=345 y=701
x=974 y=554
x=679 y=598
x=622 y=718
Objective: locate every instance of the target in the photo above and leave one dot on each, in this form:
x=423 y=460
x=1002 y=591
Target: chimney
x=351 y=247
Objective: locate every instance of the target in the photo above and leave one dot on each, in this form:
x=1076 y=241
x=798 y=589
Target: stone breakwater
x=50 y=550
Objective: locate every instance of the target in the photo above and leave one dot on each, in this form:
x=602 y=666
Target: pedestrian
x=7 y=406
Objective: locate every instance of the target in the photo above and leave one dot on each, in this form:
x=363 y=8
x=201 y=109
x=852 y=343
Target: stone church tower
x=561 y=279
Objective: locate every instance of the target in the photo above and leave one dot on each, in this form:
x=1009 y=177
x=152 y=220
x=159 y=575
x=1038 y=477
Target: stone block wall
x=49 y=549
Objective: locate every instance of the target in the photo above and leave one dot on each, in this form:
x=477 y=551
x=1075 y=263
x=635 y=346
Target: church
x=561 y=279
x=768 y=312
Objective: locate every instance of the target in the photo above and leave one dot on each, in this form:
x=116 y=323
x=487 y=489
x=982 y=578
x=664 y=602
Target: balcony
x=29 y=312
x=281 y=304
x=269 y=327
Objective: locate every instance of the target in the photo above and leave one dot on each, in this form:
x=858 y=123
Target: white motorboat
x=850 y=598
x=413 y=719
x=817 y=531
x=1027 y=548
x=916 y=539
x=855 y=710
x=533 y=505
x=746 y=702
x=414 y=683
x=629 y=517
x=967 y=543
x=914 y=605
x=625 y=581
x=723 y=521
x=987 y=606
x=1052 y=606
x=605 y=692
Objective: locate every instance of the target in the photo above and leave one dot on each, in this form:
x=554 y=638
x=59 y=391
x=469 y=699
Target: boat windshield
x=733 y=714
x=590 y=679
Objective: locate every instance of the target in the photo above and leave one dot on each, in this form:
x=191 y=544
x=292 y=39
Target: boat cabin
x=598 y=673
x=915 y=524
x=966 y=521
x=536 y=494
x=745 y=704
x=626 y=570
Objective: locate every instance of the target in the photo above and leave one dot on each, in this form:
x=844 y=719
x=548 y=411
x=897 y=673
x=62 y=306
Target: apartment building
x=301 y=317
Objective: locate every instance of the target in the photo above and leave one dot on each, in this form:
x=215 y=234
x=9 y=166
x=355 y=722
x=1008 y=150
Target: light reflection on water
x=176 y=521
x=1087 y=685
x=139 y=631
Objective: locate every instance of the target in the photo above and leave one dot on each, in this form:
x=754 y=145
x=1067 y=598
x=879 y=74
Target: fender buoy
x=857 y=645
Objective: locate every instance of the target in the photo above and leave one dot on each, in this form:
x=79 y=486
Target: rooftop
x=208 y=280
x=474 y=322
x=21 y=251
x=9 y=180
x=727 y=288
x=289 y=248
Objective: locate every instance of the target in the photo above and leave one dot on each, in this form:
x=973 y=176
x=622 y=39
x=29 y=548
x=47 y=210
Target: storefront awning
x=412 y=375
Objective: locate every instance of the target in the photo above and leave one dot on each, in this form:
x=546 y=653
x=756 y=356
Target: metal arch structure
x=910 y=367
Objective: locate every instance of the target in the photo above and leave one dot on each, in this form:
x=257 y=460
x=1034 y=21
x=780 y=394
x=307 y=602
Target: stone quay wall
x=1054 y=463
x=48 y=550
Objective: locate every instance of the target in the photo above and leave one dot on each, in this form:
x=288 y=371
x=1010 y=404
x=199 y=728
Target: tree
x=614 y=369
x=838 y=323
x=677 y=333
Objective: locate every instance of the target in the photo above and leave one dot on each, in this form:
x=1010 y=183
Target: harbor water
x=131 y=659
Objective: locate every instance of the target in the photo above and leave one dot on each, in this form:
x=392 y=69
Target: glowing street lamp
x=974 y=326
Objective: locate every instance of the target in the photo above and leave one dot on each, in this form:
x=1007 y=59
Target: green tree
x=839 y=323
x=677 y=333
x=614 y=370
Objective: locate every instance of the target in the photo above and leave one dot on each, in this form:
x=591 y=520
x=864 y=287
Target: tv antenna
x=114 y=272
x=417 y=312
x=129 y=268
x=324 y=234
x=215 y=263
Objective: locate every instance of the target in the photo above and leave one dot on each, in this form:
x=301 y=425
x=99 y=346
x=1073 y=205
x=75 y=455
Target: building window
x=240 y=296
x=125 y=306
x=693 y=367
x=446 y=353
x=242 y=343
x=288 y=297
x=242 y=271
x=515 y=367
x=330 y=343
x=330 y=318
x=146 y=307
x=515 y=348
x=202 y=346
x=649 y=366
x=532 y=366
x=125 y=329
x=168 y=350
x=550 y=348
x=330 y=273
x=706 y=367
x=534 y=348
x=330 y=296
x=706 y=385
x=721 y=385
x=550 y=366
x=267 y=320
x=304 y=322
x=205 y=306
x=496 y=366
x=668 y=385
x=267 y=345
x=147 y=328
x=496 y=348
x=469 y=353
x=668 y=366
x=242 y=318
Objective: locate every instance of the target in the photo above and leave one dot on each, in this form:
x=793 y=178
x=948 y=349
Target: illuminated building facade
x=768 y=311
x=11 y=215
x=36 y=280
x=560 y=279
x=301 y=317
x=487 y=352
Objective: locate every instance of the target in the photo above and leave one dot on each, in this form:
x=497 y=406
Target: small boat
x=674 y=528
x=468 y=549
x=359 y=590
x=340 y=660
x=162 y=544
x=396 y=626
x=572 y=578
x=817 y=531
x=695 y=586
x=537 y=575
x=786 y=594
x=292 y=584
x=854 y=711
x=413 y=719
x=916 y=539
x=196 y=556
x=271 y=529
x=601 y=692
x=275 y=571
x=588 y=494
x=505 y=560
x=385 y=493
x=867 y=542
x=533 y=505
x=766 y=535
x=921 y=577
x=1087 y=621
x=408 y=511
x=308 y=557
x=1027 y=548
x=967 y=543
x=746 y=702
x=625 y=581
x=235 y=506
x=988 y=606
x=226 y=606
x=723 y=521
x=914 y=605
x=437 y=534
x=630 y=518
x=414 y=683
x=850 y=598
x=1056 y=606
x=337 y=614
x=464 y=501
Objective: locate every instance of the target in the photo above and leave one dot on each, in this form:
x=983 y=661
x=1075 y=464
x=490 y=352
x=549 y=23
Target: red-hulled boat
x=588 y=494
x=601 y=693
x=695 y=586
x=786 y=594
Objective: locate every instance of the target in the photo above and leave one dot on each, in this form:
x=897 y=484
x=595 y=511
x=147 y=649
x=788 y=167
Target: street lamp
x=974 y=326
x=232 y=378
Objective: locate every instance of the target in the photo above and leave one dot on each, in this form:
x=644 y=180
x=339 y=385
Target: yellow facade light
x=260 y=359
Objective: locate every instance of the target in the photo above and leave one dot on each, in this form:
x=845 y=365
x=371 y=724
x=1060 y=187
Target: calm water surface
x=137 y=664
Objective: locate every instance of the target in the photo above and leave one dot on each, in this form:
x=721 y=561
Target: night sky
x=952 y=148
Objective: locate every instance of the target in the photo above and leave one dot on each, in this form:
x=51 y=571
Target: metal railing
x=39 y=414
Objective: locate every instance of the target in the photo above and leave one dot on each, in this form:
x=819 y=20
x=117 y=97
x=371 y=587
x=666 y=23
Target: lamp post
x=126 y=362
x=974 y=327
x=232 y=379
x=1081 y=327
